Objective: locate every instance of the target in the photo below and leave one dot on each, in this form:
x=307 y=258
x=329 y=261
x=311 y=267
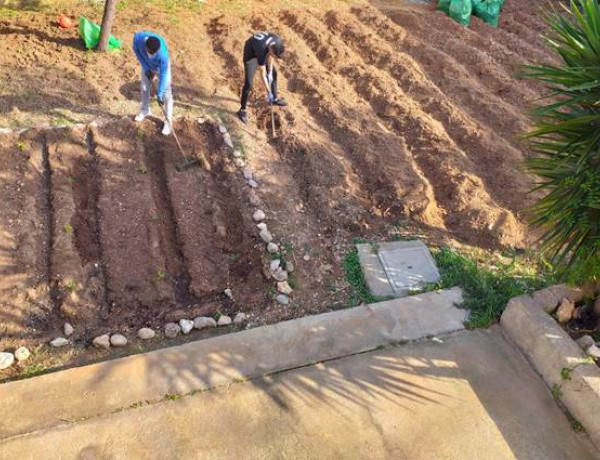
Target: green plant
x=142 y=169
x=160 y=275
x=172 y=396
x=35 y=369
x=70 y=285
x=566 y=141
x=21 y=145
x=556 y=391
x=577 y=427
x=565 y=373
x=486 y=289
x=68 y=229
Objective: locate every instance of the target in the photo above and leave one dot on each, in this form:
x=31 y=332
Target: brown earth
x=400 y=121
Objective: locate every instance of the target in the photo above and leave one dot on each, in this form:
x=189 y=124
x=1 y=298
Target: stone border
x=560 y=361
x=70 y=395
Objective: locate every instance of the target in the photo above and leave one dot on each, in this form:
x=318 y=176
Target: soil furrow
x=492 y=157
x=442 y=162
x=394 y=188
x=26 y=307
x=75 y=263
x=478 y=72
x=132 y=232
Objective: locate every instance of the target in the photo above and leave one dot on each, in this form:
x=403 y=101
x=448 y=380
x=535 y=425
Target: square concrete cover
x=394 y=269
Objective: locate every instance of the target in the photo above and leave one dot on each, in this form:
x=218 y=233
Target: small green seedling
x=565 y=373
x=557 y=391
x=142 y=169
x=68 y=229
x=160 y=275
x=577 y=427
x=21 y=145
x=172 y=396
x=70 y=285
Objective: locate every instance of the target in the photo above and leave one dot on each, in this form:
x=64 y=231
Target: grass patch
x=488 y=288
x=360 y=292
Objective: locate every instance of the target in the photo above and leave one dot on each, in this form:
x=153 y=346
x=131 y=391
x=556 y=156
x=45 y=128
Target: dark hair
x=152 y=45
x=278 y=47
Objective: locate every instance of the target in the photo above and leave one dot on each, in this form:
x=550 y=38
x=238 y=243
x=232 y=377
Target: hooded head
x=277 y=47
x=152 y=45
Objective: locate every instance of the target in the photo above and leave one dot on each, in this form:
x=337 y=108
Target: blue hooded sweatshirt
x=159 y=62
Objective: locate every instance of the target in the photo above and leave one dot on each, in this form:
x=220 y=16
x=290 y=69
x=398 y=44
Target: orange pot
x=65 y=22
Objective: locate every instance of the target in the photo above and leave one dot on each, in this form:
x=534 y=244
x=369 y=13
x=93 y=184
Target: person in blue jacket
x=151 y=50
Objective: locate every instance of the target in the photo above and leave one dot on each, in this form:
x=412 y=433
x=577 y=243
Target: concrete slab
x=397 y=268
x=89 y=391
x=469 y=396
x=551 y=350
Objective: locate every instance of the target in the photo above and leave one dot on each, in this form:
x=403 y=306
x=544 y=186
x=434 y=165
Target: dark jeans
x=250 y=68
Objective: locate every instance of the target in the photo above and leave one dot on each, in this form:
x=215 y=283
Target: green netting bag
x=90 y=33
x=444 y=5
x=460 y=11
x=489 y=11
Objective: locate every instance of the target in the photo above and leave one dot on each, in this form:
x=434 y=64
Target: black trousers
x=250 y=68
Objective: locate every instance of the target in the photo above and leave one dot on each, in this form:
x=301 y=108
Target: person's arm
x=163 y=73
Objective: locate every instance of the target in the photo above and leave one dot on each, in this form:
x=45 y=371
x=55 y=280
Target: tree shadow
x=72 y=42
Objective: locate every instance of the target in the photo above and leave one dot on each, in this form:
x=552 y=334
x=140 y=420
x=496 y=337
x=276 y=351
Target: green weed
x=160 y=275
x=565 y=373
x=35 y=369
x=577 y=427
x=70 y=285
x=172 y=396
x=21 y=145
x=68 y=229
x=355 y=278
x=487 y=290
x=142 y=169
x=556 y=391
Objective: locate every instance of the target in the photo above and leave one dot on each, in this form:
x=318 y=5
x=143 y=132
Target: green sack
x=90 y=33
x=460 y=11
x=489 y=11
x=444 y=5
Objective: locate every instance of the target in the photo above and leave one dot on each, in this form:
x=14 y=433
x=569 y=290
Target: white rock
x=585 y=342
x=22 y=354
x=247 y=172
x=118 y=340
x=272 y=248
x=284 y=288
x=227 y=140
x=172 y=330
x=289 y=266
x=228 y=293
x=306 y=257
x=239 y=162
x=282 y=299
x=239 y=318
x=146 y=333
x=565 y=311
x=252 y=183
x=222 y=129
x=102 y=341
x=280 y=274
x=259 y=215
x=274 y=265
x=59 y=342
x=224 y=320
x=186 y=326
x=237 y=154
x=6 y=360
x=68 y=330
x=593 y=351
x=5 y=130
x=201 y=121
x=266 y=236
x=262 y=226
x=203 y=322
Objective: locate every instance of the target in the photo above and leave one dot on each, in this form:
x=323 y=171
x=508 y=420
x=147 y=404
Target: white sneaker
x=166 y=129
x=142 y=115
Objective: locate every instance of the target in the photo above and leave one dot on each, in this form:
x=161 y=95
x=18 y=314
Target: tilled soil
x=397 y=118
x=103 y=231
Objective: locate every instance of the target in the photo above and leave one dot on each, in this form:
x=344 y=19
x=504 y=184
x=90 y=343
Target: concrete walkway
x=465 y=396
